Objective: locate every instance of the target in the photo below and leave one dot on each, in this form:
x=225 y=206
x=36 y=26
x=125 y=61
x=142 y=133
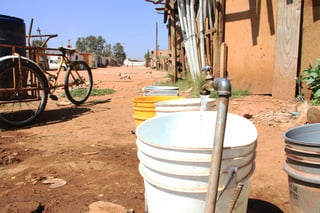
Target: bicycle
x=25 y=86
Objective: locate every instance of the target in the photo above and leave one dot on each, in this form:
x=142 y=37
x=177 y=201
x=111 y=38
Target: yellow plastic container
x=144 y=107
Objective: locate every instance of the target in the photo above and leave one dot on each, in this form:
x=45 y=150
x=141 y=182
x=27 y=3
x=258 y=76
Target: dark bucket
x=302 y=147
x=12 y=32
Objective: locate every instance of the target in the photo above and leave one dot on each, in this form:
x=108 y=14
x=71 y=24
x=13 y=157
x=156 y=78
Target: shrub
x=312 y=80
x=187 y=83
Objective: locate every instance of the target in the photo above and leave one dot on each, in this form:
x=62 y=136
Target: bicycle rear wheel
x=78 y=82
x=23 y=95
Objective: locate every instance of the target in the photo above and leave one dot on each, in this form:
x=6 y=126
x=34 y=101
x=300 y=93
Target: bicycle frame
x=26 y=84
x=19 y=58
x=53 y=78
x=35 y=53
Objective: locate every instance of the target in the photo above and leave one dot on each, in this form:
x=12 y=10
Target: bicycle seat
x=66 y=49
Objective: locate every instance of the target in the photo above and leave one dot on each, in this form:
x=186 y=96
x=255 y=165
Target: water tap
x=221 y=85
x=208 y=86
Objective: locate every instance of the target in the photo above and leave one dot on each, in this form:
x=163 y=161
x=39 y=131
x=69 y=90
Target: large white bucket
x=175 y=155
x=188 y=104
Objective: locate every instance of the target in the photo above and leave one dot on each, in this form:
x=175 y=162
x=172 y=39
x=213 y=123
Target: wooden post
x=219 y=37
x=208 y=36
x=173 y=43
x=287 y=49
x=223 y=60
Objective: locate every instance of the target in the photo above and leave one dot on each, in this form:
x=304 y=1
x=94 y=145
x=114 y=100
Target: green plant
x=187 y=83
x=100 y=92
x=312 y=80
x=94 y=92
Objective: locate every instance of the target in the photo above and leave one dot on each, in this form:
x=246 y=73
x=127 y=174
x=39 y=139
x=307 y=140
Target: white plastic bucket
x=160 y=91
x=175 y=154
x=191 y=167
x=159 y=200
x=188 y=104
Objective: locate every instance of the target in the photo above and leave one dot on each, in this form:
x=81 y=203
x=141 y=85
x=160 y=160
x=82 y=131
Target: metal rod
x=30 y=31
x=222 y=86
x=235 y=197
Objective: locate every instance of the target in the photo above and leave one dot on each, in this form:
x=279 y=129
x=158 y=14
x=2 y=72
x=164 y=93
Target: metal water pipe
x=223 y=88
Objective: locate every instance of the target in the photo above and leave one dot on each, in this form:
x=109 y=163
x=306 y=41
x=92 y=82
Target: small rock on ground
x=313 y=115
x=106 y=207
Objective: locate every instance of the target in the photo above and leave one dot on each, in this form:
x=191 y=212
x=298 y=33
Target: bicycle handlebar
x=33 y=36
x=48 y=37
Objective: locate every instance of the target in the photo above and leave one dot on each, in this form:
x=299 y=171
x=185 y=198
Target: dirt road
x=76 y=156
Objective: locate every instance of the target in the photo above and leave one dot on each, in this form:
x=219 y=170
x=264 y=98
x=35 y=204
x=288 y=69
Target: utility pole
x=39 y=32
x=157 y=46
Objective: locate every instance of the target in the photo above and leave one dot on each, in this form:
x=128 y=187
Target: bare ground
x=74 y=157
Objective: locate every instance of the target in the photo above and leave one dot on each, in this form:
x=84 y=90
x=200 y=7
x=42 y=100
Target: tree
x=36 y=43
x=81 y=45
x=107 y=51
x=98 y=45
x=91 y=44
x=118 y=53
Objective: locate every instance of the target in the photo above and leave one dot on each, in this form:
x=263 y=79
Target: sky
x=129 y=22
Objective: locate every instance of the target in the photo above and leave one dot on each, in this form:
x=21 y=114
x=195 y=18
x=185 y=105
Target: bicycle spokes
x=78 y=82
x=23 y=96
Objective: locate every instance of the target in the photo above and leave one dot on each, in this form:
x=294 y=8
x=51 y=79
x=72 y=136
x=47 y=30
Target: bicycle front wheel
x=23 y=92
x=78 y=82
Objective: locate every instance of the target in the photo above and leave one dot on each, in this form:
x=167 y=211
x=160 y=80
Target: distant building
x=133 y=62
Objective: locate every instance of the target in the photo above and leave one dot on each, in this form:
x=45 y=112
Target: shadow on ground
x=261 y=206
x=60 y=115
x=65 y=114
x=95 y=102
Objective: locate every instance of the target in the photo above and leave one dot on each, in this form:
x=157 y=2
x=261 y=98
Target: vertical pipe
x=213 y=182
x=222 y=85
x=201 y=23
x=184 y=29
x=189 y=37
x=194 y=39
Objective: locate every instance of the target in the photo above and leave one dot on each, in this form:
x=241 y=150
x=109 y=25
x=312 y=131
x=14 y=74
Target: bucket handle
x=232 y=171
x=235 y=197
